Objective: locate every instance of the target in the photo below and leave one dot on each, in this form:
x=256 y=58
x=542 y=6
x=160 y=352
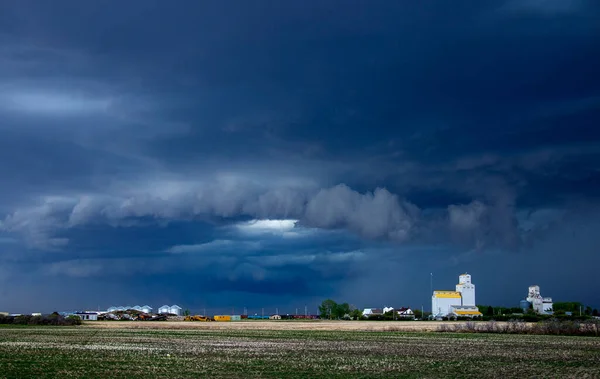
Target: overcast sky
x=220 y=154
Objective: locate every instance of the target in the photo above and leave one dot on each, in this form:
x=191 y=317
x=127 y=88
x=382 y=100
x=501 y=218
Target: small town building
x=368 y=312
x=405 y=312
x=87 y=316
x=275 y=317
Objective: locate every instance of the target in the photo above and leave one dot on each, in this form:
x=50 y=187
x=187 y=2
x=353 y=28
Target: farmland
x=294 y=349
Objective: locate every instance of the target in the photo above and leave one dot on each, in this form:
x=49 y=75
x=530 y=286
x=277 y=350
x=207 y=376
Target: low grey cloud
x=372 y=215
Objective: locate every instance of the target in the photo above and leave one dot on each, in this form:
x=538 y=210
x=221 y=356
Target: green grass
x=80 y=352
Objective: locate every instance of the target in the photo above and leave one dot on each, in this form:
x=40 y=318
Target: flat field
x=416 y=326
x=164 y=349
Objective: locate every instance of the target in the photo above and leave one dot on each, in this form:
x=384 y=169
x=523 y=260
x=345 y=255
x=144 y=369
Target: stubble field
x=416 y=326
x=285 y=349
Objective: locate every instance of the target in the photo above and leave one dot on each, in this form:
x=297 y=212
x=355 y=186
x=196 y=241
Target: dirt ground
x=416 y=326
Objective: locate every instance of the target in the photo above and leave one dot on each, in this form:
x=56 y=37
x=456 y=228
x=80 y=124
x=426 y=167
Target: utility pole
x=296 y=311
x=431 y=291
x=276 y=311
x=263 y=312
x=305 y=311
x=204 y=312
x=422 y=313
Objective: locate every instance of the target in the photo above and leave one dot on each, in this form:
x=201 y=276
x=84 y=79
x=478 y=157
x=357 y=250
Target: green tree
x=356 y=314
x=568 y=306
x=341 y=310
x=186 y=312
x=327 y=309
x=418 y=313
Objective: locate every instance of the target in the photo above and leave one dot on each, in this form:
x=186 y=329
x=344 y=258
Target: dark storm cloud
x=137 y=137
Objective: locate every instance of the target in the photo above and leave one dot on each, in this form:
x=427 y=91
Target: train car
x=222 y=318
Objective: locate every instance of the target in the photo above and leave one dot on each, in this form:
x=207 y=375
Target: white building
x=147 y=309
x=466 y=290
x=443 y=301
x=405 y=312
x=541 y=305
x=456 y=303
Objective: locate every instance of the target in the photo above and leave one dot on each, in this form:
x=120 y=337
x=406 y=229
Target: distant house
x=87 y=316
x=368 y=312
x=275 y=317
x=164 y=309
x=405 y=312
x=147 y=309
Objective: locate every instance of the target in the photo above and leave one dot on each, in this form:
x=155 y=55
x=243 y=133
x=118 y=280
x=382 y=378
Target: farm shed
x=275 y=317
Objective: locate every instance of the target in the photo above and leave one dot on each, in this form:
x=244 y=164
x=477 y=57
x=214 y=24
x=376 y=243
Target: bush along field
x=124 y=352
x=52 y=319
x=547 y=327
